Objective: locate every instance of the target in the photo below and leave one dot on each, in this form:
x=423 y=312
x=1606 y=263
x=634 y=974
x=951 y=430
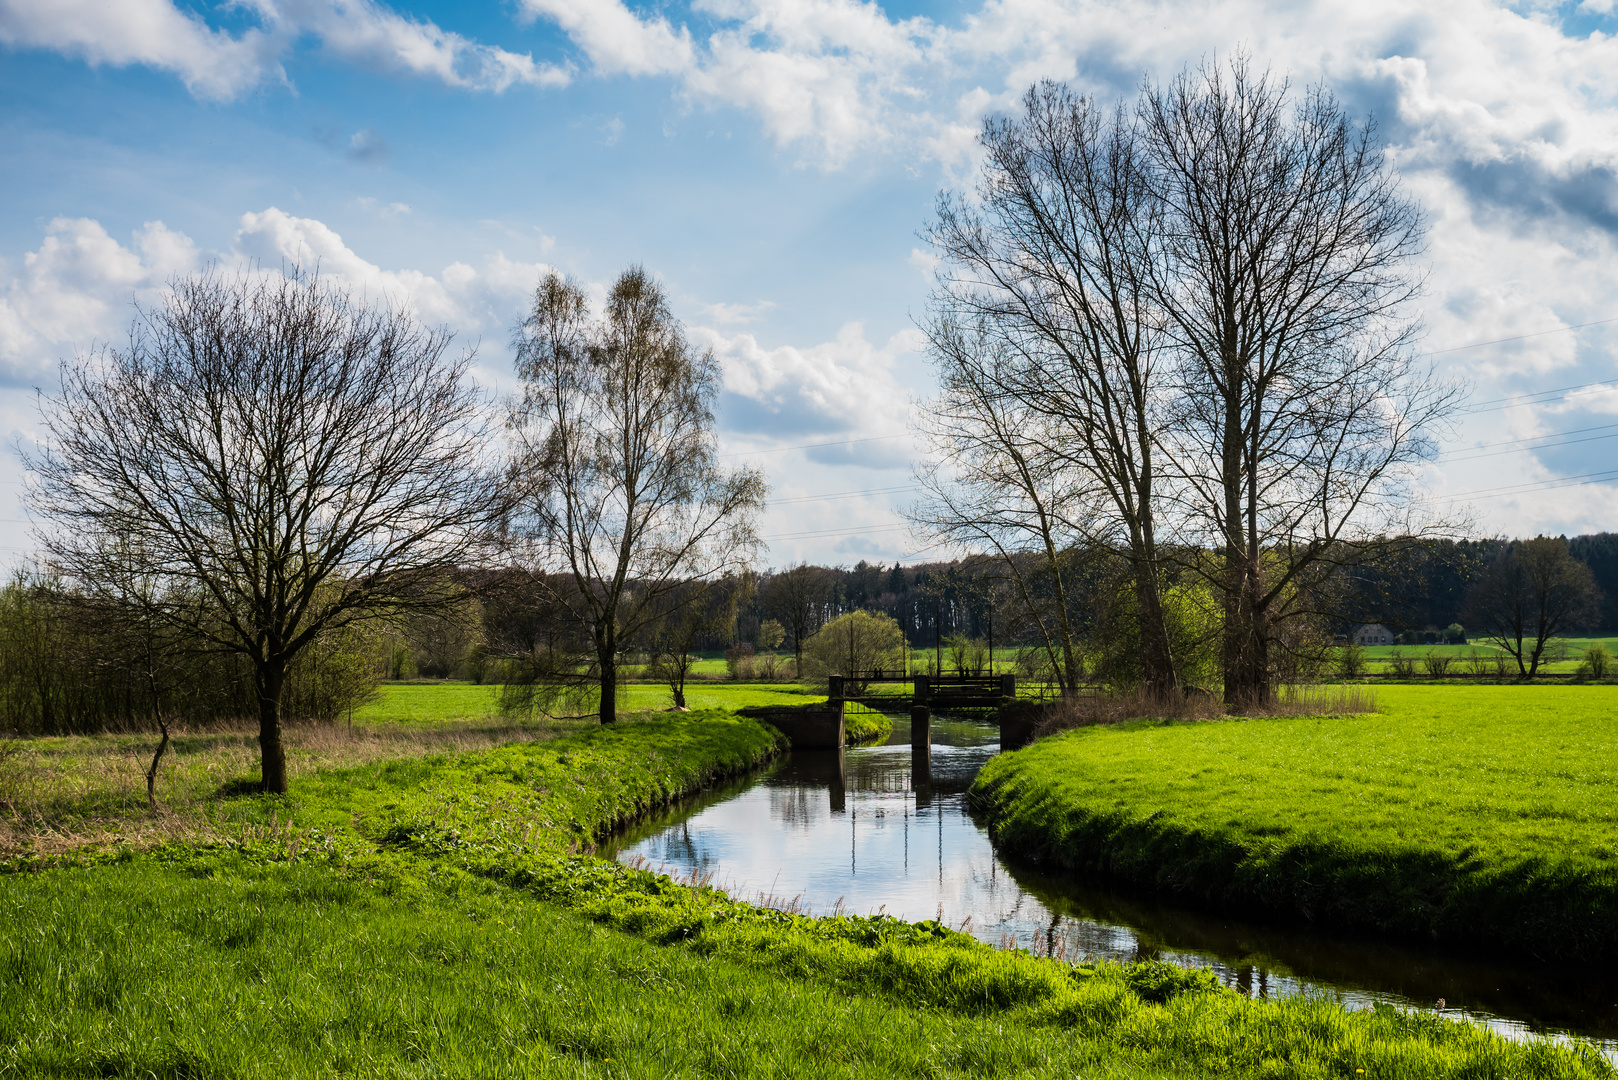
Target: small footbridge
x=821 y=727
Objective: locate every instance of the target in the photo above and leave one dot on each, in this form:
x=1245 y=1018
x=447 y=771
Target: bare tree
x=797 y=597
x=616 y=466
x=711 y=612
x=1284 y=281
x=267 y=461
x=1533 y=591
x=1047 y=342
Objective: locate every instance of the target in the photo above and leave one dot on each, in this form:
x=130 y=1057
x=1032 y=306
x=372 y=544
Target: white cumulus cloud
x=216 y=65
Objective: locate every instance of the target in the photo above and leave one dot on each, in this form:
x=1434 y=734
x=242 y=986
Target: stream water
x=858 y=832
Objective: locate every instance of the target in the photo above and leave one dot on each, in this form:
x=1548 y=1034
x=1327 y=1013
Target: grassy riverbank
x=430 y=916
x=1464 y=814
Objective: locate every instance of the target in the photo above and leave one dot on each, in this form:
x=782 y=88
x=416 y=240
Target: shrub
x=1597 y=662
x=1401 y=665
x=1436 y=663
x=1351 y=660
x=735 y=656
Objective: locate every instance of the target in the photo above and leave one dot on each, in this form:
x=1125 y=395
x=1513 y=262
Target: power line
x=1519 y=337
x=843 y=495
x=813 y=445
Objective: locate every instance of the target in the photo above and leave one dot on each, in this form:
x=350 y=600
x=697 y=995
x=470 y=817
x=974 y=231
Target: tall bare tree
x=268 y=460
x=797 y=597
x=1285 y=282
x=615 y=462
x=1048 y=345
x=1532 y=591
x=989 y=481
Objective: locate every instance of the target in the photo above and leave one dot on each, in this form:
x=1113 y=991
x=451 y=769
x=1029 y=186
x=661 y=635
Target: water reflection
x=886 y=829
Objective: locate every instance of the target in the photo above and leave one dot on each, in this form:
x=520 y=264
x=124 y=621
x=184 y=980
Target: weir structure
x=822 y=726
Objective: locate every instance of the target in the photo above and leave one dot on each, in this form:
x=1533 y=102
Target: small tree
x=852 y=644
x=1533 y=591
x=1351 y=660
x=711 y=612
x=622 y=502
x=770 y=634
x=267 y=461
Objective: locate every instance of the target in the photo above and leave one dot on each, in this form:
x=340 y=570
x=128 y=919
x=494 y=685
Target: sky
x=773 y=162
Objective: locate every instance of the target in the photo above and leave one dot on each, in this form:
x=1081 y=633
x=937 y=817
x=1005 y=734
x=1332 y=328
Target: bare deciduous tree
x=1533 y=591
x=710 y=612
x=1285 y=283
x=1047 y=342
x=267 y=461
x=616 y=467
x=797 y=598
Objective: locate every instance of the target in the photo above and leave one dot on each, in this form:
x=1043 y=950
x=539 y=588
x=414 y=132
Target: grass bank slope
x=433 y=917
x=1478 y=814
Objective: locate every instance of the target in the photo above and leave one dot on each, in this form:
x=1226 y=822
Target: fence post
x=1008 y=685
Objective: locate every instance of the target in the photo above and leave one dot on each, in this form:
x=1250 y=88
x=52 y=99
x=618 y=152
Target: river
x=856 y=832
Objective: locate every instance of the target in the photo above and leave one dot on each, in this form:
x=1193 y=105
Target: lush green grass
x=420 y=918
x=424 y=702
x=1484 y=813
x=1380 y=655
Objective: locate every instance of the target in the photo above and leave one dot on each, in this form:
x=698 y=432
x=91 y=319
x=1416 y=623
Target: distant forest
x=1425 y=590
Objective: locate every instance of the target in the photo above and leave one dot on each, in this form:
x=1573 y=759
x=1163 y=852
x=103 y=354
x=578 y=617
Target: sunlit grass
x=1463 y=812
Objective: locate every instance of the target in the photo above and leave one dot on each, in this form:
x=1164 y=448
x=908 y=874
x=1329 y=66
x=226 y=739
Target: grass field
x=421 y=917
x=1483 y=814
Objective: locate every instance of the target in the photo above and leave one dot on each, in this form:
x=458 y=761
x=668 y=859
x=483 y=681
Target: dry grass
x=65 y=793
x=1099 y=707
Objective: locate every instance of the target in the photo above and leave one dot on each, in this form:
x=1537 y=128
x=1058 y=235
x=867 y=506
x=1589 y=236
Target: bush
x=739 y=660
x=1401 y=665
x=1597 y=663
x=1351 y=660
x=1436 y=664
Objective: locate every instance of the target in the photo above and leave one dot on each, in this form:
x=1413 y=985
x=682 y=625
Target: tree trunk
x=609 y=689
x=271 y=682
x=151 y=773
x=1157 y=659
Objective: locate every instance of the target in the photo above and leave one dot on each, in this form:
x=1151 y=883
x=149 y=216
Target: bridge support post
x=923 y=690
x=1008 y=685
x=921 y=745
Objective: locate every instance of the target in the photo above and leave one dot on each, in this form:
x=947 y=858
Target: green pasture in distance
x=425 y=702
x=429 y=701
x=1497 y=804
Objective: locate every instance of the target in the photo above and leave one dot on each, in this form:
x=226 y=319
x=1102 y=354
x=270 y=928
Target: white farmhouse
x=1373 y=634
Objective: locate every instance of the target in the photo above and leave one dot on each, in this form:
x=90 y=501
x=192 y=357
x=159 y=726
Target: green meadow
x=1485 y=814
x=439 y=914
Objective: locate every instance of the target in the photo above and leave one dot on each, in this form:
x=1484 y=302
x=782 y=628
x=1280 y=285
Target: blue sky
x=772 y=161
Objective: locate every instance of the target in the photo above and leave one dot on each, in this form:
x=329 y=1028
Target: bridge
x=821 y=727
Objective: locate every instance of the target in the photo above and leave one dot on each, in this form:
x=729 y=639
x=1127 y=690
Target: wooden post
x=1008 y=685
